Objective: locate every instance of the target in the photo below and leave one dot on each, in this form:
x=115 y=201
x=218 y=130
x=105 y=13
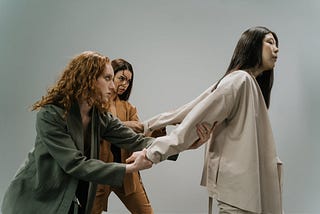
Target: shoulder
x=239 y=75
x=127 y=105
x=51 y=111
x=237 y=79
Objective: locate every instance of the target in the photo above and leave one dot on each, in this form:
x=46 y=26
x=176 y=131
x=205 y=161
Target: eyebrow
x=125 y=77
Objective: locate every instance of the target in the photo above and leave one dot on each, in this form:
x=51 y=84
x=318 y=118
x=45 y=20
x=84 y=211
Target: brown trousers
x=136 y=202
x=132 y=193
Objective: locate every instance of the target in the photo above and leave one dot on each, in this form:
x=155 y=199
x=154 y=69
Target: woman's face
x=269 y=52
x=122 y=79
x=105 y=83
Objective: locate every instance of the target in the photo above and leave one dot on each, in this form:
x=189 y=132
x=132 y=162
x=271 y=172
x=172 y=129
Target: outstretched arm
x=138 y=161
x=218 y=106
x=204 y=131
x=175 y=116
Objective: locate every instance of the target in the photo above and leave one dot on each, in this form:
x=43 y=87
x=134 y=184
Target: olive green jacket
x=47 y=181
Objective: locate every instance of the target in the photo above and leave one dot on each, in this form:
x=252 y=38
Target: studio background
x=177 y=48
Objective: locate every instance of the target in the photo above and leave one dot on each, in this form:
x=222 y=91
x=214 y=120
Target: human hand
x=138 y=161
x=157 y=133
x=204 y=131
x=134 y=125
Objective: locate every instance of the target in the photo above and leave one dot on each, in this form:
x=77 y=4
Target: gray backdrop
x=178 y=48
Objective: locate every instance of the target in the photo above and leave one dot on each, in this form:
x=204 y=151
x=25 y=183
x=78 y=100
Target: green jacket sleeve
x=113 y=130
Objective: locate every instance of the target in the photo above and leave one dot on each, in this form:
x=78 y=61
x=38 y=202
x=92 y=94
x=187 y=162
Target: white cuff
x=154 y=157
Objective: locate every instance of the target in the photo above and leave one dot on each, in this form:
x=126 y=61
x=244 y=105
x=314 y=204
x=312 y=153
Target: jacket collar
x=74 y=124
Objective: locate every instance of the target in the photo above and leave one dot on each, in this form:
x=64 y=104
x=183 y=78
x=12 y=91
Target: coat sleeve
x=210 y=107
x=175 y=116
x=55 y=145
x=114 y=131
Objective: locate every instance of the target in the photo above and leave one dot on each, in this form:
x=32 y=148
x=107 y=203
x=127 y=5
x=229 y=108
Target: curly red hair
x=78 y=81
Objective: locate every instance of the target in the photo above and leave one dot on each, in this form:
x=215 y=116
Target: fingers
x=131 y=158
x=138 y=161
x=158 y=132
x=200 y=132
x=139 y=127
x=142 y=162
x=206 y=128
x=144 y=152
x=203 y=130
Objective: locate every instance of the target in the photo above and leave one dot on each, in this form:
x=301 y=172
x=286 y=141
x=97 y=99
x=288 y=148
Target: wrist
x=148 y=158
x=130 y=168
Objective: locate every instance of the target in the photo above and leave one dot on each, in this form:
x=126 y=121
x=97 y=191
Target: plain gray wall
x=177 y=48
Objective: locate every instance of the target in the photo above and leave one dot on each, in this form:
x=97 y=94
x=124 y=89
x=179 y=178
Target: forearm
x=210 y=110
x=166 y=146
x=175 y=116
x=120 y=135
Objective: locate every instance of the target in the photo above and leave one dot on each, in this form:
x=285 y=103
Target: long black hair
x=122 y=65
x=248 y=54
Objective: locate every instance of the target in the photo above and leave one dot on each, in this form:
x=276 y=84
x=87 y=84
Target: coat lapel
x=74 y=124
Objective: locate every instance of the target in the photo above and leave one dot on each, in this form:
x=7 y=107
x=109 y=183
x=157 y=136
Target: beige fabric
x=227 y=209
x=240 y=166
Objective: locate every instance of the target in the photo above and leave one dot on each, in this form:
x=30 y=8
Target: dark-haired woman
x=241 y=169
x=131 y=193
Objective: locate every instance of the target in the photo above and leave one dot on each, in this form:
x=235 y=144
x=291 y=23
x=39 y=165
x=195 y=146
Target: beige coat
x=240 y=166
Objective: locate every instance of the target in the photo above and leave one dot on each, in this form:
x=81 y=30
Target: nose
x=276 y=49
x=112 y=86
x=125 y=82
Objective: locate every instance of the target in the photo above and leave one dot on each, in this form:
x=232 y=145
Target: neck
x=114 y=97
x=255 y=71
x=84 y=108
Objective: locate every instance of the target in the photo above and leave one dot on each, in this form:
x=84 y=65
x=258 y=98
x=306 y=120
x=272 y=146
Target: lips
x=121 y=90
